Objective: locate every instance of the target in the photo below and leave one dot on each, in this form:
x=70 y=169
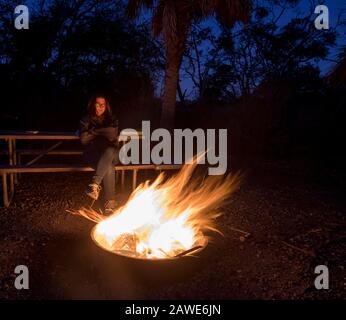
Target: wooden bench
x=30 y=152
x=10 y=169
x=15 y=167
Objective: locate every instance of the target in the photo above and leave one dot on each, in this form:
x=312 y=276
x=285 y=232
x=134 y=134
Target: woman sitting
x=99 y=134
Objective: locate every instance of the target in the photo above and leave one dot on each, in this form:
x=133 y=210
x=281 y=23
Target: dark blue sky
x=336 y=7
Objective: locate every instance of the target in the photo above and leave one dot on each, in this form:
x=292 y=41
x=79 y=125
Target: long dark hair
x=92 y=107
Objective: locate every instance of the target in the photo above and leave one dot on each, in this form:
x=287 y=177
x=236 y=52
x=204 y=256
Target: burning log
x=189 y=251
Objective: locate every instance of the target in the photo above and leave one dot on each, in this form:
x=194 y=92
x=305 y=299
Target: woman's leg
x=105 y=172
x=109 y=184
x=104 y=165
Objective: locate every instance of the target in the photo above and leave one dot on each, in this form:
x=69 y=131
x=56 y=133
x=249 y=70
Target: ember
x=164 y=219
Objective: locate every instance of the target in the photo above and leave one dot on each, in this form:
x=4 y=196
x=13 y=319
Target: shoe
x=110 y=206
x=93 y=191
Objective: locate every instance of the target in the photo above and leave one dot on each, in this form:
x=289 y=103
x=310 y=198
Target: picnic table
x=15 y=166
x=12 y=136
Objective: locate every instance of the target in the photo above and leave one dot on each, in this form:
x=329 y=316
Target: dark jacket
x=97 y=135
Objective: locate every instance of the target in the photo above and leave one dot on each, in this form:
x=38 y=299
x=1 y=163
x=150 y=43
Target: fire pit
x=163 y=223
x=156 y=272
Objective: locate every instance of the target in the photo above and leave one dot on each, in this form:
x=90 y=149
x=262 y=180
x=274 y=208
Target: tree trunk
x=174 y=57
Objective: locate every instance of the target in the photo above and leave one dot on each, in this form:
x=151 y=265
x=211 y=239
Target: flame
x=164 y=218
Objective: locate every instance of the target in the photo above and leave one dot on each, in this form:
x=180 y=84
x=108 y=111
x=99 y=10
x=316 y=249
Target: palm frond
x=231 y=11
x=227 y=11
x=205 y=6
x=135 y=6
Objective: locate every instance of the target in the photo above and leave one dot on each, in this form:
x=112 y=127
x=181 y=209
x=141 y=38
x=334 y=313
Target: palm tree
x=172 y=19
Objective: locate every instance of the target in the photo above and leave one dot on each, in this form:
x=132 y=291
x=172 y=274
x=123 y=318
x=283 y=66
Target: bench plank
x=54 y=152
x=70 y=168
x=41 y=135
x=11 y=169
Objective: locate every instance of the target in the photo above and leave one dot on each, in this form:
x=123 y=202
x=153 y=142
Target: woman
x=98 y=131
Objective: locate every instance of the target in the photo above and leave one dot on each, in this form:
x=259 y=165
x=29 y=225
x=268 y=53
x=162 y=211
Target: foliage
x=72 y=49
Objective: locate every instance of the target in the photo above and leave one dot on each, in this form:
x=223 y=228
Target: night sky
x=336 y=8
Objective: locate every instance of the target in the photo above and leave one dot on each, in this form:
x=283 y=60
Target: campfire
x=164 y=219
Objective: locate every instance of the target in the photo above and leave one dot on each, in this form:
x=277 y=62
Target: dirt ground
x=295 y=224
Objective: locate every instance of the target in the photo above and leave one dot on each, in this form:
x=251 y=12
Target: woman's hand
x=93 y=131
x=86 y=137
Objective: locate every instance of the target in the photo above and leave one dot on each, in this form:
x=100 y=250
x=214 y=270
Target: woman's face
x=100 y=106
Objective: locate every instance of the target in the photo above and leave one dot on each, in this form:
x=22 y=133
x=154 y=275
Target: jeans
x=105 y=171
